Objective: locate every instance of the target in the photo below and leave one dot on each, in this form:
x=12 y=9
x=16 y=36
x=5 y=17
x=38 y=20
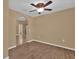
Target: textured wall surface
x=5 y=28
x=56 y=28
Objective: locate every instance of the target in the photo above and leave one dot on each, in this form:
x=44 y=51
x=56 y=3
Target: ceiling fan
x=41 y=7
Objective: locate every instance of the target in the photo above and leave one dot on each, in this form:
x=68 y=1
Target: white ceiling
x=24 y=6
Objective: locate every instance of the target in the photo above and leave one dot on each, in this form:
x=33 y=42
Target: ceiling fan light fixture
x=40 y=9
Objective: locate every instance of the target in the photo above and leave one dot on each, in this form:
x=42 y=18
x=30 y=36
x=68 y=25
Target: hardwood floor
x=37 y=50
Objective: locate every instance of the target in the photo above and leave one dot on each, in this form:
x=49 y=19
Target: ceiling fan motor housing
x=40 y=5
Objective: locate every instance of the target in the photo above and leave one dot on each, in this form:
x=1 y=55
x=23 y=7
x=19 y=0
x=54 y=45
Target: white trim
x=48 y=44
x=11 y=47
x=52 y=44
x=6 y=57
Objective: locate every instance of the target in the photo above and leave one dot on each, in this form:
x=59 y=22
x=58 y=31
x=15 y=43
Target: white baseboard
x=52 y=44
x=12 y=47
x=46 y=43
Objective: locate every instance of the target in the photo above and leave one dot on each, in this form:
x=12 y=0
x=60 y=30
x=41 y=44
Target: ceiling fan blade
x=33 y=5
x=47 y=3
x=48 y=9
x=32 y=10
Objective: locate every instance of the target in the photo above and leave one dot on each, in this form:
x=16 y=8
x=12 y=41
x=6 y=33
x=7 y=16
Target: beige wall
x=12 y=28
x=56 y=28
x=13 y=16
x=10 y=23
x=5 y=28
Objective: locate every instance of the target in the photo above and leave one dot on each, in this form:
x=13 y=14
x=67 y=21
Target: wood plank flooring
x=37 y=50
